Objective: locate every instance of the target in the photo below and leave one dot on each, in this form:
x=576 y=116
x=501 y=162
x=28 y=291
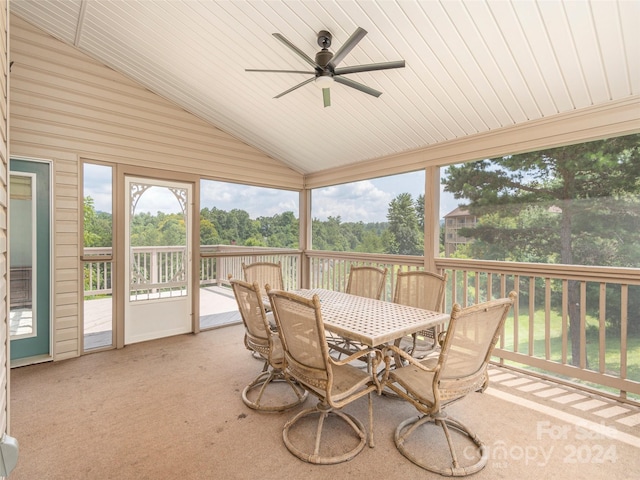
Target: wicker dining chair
x=433 y=384
x=334 y=382
x=421 y=289
x=366 y=281
x=260 y=338
x=264 y=273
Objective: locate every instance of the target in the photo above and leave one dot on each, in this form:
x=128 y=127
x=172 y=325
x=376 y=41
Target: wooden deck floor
x=218 y=308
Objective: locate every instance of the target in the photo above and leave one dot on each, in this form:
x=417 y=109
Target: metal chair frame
x=261 y=339
x=335 y=383
x=433 y=384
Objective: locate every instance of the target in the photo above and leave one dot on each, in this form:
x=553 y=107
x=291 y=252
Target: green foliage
x=577 y=204
x=98 y=229
x=419 y=206
x=408 y=239
x=218 y=227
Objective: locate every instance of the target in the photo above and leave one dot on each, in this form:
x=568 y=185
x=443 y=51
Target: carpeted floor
x=171 y=409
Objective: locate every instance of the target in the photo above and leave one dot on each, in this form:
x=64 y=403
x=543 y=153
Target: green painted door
x=30 y=260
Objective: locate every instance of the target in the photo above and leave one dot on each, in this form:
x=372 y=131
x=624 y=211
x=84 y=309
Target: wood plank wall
x=66 y=107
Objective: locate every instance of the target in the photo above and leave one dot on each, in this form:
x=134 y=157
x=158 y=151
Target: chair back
x=302 y=334
x=366 y=281
x=264 y=273
x=249 y=298
x=471 y=335
x=420 y=289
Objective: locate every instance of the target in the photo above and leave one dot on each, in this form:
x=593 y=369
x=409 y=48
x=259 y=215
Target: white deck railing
x=537 y=334
x=158 y=267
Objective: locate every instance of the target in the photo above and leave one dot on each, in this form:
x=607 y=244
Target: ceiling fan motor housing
x=323 y=57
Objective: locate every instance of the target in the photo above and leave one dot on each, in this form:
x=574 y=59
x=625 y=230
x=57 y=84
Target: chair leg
x=407 y=428
x=339 y=346
x=269 y=377
x=371 y=442
x=323 y=411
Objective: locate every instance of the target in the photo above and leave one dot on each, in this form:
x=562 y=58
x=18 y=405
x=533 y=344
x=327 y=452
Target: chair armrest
x=392 y=350
x=376 y=360
x=354 y=356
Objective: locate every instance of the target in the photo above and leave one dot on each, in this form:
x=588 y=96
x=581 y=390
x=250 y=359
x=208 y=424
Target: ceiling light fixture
x=324 y=81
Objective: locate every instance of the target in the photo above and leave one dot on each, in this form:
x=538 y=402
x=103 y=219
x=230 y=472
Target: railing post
x=154 y=275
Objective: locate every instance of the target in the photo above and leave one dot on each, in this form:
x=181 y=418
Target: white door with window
x=157 y=259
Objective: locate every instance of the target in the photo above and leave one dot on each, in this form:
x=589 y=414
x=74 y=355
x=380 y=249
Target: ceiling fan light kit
x=325 y=65
x=324 y=81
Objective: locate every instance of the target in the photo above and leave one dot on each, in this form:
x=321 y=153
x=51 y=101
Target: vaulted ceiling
x=471 y=66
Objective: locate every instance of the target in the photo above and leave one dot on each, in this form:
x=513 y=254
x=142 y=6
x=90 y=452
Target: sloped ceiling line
x=83 y=9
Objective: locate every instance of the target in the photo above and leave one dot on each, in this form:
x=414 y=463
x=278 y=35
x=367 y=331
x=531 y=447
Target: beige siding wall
x=4 y=200
x=66 y=107
x=66 y=253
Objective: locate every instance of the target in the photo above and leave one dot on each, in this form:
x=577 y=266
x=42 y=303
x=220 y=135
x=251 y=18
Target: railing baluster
x=602 y=337
x=532 y=314
x=624 y=318
x=547 y=318
x=565 y=319
x=583 y=325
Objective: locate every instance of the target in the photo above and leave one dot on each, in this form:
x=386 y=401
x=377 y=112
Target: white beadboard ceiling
x=471 y=66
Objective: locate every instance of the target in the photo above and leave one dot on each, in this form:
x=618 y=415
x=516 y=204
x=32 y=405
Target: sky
x=365 y=201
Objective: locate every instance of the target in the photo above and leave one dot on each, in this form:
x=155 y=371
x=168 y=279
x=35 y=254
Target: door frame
x=84 y=259
x=152 y=316
x=52 y=222
x=121 y=284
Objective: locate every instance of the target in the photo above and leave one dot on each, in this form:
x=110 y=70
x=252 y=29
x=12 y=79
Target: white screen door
x=158 y=257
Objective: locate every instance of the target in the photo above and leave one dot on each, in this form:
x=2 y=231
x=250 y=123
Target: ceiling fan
x=325 y=65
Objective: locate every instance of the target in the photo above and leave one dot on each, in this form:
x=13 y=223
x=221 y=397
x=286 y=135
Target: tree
x=403 y=225
x=556 y=205
x=98 y=230
x=90 y=237
x=280 y=231
x=371 y=243
x=208 y=233
x=420 y=211
x=330 y=235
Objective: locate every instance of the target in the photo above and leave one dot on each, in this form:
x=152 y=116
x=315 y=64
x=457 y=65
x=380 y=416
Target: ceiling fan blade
x=297 y=86
x=277 y=71
x=370 y=67
x=300 y=53
x=326 y=97
x=358 y=86
x=347 y=46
